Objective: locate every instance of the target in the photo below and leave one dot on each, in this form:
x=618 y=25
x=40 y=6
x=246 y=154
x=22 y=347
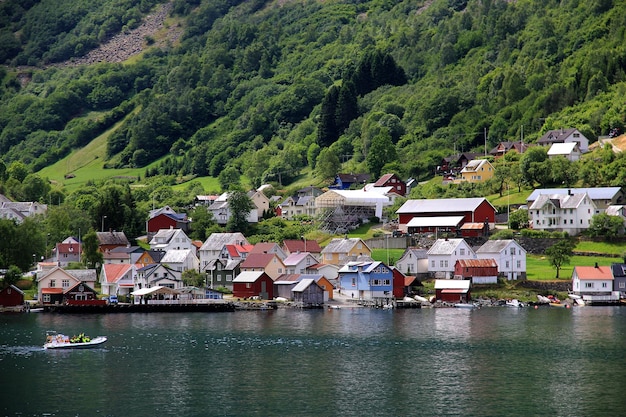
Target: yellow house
x=341 y=251
x=476 y=170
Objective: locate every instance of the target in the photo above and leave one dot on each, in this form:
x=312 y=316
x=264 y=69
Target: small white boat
x=60 y=341
x=421 y=299
x=543 y=299
x=514 y=303
x=465 y=305
x=578 y=300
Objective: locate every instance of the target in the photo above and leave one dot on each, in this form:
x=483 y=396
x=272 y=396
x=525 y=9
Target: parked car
x=112 y=299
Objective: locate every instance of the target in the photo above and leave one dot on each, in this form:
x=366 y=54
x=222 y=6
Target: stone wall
x=547 y=286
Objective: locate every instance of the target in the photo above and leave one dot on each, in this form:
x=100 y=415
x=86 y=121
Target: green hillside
x=292 y=92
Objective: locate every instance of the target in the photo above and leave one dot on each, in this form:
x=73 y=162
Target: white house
x=297 y=263
x=569 y=213
x=169 y=239
x=602 y=197
x=158 y=275
x=565 y=136
x=221 y=211
x=118 y=279
x=594 y=283
x=444 y=253
x=213 y=245
x=181 y=260
x=413 y=261
x=508 y=254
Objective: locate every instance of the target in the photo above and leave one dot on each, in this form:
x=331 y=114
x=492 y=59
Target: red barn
x=473 y=210
x=11 y=296
x=253 y=284
x=480 y=271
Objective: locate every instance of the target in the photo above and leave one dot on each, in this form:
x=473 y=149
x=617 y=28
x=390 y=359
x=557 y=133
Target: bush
x=24 y=284
x=502 y=234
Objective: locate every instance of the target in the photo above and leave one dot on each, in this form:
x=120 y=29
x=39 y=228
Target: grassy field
x=538 y=267
x=609 y=248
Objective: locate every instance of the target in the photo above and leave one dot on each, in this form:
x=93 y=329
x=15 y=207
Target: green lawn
x=602 y=247
x=538 y=267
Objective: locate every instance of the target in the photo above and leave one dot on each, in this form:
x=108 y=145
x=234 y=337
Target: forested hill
x=267 y=88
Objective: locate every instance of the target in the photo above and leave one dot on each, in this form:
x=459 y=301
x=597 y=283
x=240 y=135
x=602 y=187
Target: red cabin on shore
x=11 y=296
x=253 y=284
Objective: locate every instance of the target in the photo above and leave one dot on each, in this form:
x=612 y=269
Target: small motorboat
x=543 y=299
x=514 y=303
x=56 y=340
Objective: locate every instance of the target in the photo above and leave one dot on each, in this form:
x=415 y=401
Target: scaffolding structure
x=339 y=212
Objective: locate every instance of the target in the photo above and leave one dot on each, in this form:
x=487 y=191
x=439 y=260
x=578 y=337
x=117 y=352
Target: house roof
x=112 y=238
x=366 y=266
x=441 y=205
x=249 y=276
x=595 y=193
x=176 y=256
x=474 y=165
x=258 y=260
x=114 y=272
x=461 y=284
x=593 y=272
x=477 y=263
x=216 y=241
x=616 y=210
x=235 y=251
x=497 y=246
x=416 y=253
x=68 y=248
x=473 y=226
x=342 y=245
x=439 y=221
x=303 y=284
x=265 y=247
x=295 y=258
x=352 y=197
x=352 y=178
x=559 y=200
x=557 y=135
x=619 y=270
x=562 y=148
x=296 y=245
x=444 y=246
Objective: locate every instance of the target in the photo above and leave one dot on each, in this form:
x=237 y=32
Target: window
x=588 y=284
x=441 y=264
x=53 y=283
x=354 y=282
x=229 y=277
x=604 y=285
x=622 y=284
x=248 y=285
x=65 y=283
x=445 y=263
x=432 y=263
x=512 y=251
x=46 y=298
x=462 y=252
x=506 y=265
x=519 y=264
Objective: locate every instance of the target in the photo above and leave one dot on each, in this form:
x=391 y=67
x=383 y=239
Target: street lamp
x=103 y=217
x=34 y=259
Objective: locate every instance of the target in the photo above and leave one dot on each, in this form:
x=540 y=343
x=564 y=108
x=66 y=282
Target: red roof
x=68 y=247
x=408 y=280
x=295 y=245
x=593 y=272
x=114 y=272
x=382 y=180
x=477 y=263
x=257 y=260
x=473 y=226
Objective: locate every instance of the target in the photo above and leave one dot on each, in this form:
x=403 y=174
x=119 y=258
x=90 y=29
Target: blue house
x=366 y=280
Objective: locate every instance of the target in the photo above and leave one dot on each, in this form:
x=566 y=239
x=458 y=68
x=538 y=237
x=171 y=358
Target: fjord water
x=347 y=362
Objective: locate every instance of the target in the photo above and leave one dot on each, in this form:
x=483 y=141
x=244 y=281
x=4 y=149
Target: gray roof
x=175 y=256
x=416 y=253
x=303 y=285
x=563 y=201
x=444 y=246
x=342 y=245
x=441 y=205
x=495 y=246
x=217 y=240
x=248 y=276
x=595 y=193
x=84 y=275
x=112 y=238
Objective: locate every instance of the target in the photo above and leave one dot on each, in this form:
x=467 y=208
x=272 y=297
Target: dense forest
x=262 y=91
x=265 y=86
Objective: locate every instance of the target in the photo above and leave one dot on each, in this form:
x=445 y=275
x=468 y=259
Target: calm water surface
x=348 y=362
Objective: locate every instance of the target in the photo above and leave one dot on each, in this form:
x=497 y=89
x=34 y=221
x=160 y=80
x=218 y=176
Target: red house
x=480 y=271
x=392 y=180
x=398 y=283
x=472 y=210
x=11 y=296
x=253 y=284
